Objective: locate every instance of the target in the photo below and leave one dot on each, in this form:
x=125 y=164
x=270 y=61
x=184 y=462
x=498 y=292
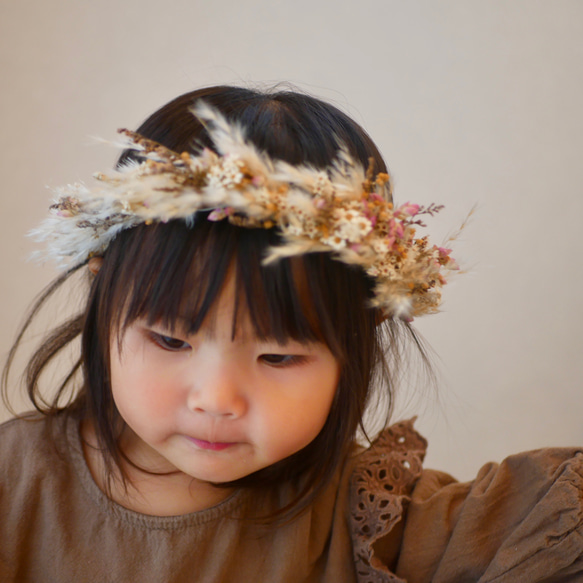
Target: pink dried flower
x=396 y=229
x=220 y=214
x=408 y=209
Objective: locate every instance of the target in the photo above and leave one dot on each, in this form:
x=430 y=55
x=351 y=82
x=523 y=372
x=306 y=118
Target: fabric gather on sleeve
x=518 y=521
x=381 y=484
x=521 y=520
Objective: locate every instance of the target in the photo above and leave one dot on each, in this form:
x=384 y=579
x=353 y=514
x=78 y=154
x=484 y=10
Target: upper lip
x=214 y=432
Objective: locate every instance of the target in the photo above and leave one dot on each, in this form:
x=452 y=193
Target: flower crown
x=342 y=210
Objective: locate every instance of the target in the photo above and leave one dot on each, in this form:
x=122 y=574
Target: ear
x=94 y=264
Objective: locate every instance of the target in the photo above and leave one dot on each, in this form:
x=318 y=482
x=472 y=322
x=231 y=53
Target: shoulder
x=28 y=424
x=31 y=436
x=33 y=452
x=22 y=439
x=521 y=520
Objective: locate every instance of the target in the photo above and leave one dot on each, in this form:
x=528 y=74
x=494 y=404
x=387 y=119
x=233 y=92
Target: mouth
x=210 y=445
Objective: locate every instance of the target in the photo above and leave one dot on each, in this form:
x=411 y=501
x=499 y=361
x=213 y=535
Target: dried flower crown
x=342 y=210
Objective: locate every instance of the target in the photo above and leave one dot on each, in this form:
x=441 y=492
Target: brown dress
x=382 y=519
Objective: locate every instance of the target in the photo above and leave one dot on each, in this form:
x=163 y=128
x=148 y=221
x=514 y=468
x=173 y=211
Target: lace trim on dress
x=380 y=487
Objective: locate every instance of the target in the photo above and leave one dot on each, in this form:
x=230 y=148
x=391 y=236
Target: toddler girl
x=250 y=285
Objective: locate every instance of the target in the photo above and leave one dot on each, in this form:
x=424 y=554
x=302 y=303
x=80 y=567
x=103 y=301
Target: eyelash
x=287 y=360
x=166 y=342
x=171 y=344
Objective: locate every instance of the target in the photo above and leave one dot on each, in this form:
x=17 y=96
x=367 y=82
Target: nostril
x=217 y=404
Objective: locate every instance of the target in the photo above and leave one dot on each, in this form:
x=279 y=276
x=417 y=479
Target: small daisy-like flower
x=351 y=225
x=382 y=246
x=335 y=242
x=195 y=164
x=322 y=185
x=227 y=174
x=310 y=228
x=293 y=230
x=263 y=196
x=388 y=270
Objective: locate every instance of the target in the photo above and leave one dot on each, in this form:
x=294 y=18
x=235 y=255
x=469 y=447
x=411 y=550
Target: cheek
x=297 y=422
x=141 y=393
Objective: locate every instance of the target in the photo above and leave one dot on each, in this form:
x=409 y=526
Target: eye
x=168 y=342
x=282 y=360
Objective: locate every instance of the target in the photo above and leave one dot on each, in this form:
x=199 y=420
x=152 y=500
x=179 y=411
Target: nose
x=218 y=390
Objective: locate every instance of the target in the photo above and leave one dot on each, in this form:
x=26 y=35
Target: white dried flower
x=335 y=242
x=322 y=185
x=227 y=174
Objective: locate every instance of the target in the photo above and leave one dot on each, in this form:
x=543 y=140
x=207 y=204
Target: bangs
x=174 y=273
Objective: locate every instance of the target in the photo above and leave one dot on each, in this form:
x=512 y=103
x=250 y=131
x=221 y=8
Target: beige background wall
x=472 y=102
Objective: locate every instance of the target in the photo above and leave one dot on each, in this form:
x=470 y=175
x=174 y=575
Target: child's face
x=217 y=408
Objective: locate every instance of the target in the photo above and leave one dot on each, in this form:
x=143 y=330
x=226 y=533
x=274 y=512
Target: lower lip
x=210 y=445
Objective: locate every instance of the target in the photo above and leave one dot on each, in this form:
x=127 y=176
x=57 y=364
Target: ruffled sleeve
x=520 y=521
x=382 y=482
